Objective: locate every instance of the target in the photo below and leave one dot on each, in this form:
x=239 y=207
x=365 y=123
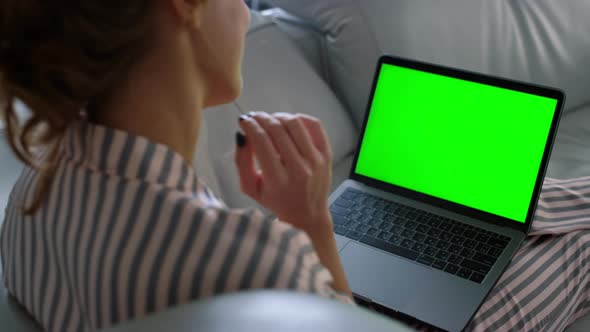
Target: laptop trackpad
x=381 y=277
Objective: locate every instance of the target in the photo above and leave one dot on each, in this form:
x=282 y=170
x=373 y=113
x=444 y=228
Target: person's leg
x=546 y=287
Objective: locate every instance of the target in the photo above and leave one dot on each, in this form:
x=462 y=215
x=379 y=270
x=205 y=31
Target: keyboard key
x=477 y=277
x=338 y=210
x=470 y=234
x=385 y=226
x=361 y=228
x=483 y=248
x=439 y=264
x=467 y=253
x=407 y=243
x=432 y=222
x=482 y=237
x=384 y=236
x=399 y=221
x=457 y=240
x=421 y=218
x=348 y=195
x=351 y=224
x=395 y=239
x=402 y=212
x=374 y=232
x=445 y=226
x=498 y=243
x=389 y=218
x=464 y=273
x=483 y=258
x=379 y=205
x=390 y=208
x=475 y=266
x=457 y=230
x=434 y=232
x=494 y=252
x=397 y=230
x=339 y=220
x=454 y=259
x=446 y=236
x=454 y=249
x=363 y=219
x=385 y=246
x=430 y=251
x=443 y=255
x=426 y=260
x=503 y=238
x=452 y=269
x=408 y=233
x=379 y=215
x=422 y=229
x=443 y=245
x=341 y=230
x=431 y=241
x=411 y=225
x=418 y=237
x=354 y=235
x=470 y=244
x=373 y=222
x=355 y=215
x=419 y=247
x=343 y=202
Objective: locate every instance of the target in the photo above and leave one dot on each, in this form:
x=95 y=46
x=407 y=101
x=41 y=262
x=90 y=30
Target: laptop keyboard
x=457 y=248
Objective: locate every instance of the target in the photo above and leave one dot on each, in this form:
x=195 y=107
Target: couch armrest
x=264 y=311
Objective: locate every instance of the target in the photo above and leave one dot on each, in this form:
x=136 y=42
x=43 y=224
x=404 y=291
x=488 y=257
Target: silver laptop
x=443 y=187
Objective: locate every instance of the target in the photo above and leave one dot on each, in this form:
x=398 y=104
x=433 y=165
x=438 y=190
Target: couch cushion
x=541 y=41
x=571 y=153
x=352 y=49
x=277 y=78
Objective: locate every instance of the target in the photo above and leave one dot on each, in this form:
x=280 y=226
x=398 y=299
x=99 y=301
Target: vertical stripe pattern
x=128 y=229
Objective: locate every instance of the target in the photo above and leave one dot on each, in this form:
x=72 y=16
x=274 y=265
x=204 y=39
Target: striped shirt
x=128 y=229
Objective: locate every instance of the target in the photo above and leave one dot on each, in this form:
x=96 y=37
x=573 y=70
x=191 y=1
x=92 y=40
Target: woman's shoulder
x=253 y=223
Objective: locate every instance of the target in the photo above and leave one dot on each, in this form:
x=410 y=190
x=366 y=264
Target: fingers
x=318 y=134
x=249 y=177
x=262 y=148
x=300 y=136
x=282 y=141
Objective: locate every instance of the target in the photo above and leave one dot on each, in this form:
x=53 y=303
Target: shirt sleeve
x=291 y=262
x=308 y=273
x=232 y=250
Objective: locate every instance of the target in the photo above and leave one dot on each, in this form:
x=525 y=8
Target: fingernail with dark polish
x=240 y=139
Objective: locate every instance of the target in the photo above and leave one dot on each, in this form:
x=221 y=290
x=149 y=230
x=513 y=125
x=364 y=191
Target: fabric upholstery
x=571 y=153
x=541 y=41
x=287 y=83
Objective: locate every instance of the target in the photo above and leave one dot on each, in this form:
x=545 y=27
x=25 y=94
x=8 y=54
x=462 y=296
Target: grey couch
x=318 y=57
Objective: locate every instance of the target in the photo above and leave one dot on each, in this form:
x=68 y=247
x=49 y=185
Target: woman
x=109 y=222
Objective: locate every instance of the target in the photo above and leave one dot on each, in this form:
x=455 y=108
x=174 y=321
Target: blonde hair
x=58 y=58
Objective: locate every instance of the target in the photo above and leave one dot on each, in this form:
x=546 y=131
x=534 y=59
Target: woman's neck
x=161 y=99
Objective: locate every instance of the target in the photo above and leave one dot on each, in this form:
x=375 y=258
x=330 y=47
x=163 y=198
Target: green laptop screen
x=469 y=143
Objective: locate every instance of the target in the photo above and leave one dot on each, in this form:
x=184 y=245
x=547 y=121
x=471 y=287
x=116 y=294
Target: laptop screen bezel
x=478 y=78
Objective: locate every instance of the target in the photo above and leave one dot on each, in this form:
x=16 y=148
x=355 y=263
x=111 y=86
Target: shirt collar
x=129 y=156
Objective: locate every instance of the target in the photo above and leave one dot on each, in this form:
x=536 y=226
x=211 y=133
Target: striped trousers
x=546 y=286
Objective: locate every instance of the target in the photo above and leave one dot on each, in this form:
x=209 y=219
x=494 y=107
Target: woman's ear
x=189 y=12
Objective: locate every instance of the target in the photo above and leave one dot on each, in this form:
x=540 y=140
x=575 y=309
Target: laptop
x=443 y=187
